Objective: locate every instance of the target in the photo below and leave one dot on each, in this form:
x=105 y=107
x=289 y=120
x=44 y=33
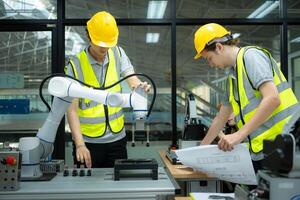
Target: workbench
x=192 y=179
x=100 y=185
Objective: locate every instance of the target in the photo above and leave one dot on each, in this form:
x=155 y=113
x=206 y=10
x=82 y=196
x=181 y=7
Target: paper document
x=233 y=166
x=207 y=196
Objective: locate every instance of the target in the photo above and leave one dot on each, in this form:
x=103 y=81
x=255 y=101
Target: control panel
x=10 y=169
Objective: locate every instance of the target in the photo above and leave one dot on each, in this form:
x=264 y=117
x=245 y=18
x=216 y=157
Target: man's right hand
x=83 y=155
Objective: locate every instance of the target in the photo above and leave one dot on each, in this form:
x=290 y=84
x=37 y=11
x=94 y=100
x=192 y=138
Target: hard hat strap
x=220 y=40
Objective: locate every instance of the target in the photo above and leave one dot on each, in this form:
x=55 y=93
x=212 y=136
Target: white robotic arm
x=65 y=87
x=64 y=90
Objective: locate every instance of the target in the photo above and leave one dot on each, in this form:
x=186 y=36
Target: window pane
x=28 y=9
x=294 y=39
x=294 y=57
x=227 y=9
x=25 y=60
x=296 y=89
x=119 y=8
x=209 y=83
x=152 y=58
x=293 y=8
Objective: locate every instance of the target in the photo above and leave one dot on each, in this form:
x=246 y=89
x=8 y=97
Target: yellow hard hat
x=206 y=34
x=103 y=30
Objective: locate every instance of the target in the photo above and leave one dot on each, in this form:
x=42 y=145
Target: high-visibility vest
x=94 y=117
x=250 y=98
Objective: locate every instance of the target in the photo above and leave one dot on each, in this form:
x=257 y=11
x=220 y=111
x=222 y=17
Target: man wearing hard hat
x=258 y=93
x=97 y=130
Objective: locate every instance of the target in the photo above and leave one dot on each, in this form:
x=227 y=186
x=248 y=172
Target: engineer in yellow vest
x=98 y=130
x=258 y=93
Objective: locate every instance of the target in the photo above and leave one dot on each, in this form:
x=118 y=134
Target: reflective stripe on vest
x=249 y=100
x=94 y=118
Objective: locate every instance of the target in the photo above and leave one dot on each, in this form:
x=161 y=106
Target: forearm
x=74 y=124
x=214 y=130
x=217 y=124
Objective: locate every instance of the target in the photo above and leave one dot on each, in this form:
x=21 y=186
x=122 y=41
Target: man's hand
x=227 y=142
x=145 y=86
x=135 y=82
x=83 y=155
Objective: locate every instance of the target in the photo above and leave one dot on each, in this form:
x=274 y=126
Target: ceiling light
x=156 y=9
x=152 y=37
x=264 y=9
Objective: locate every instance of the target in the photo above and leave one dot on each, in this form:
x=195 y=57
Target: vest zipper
x=102 y=87
x=106 y=117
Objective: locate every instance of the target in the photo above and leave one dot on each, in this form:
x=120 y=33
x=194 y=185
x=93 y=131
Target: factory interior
x=41 y=39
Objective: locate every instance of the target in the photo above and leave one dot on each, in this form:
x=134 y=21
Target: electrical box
x=10 y=169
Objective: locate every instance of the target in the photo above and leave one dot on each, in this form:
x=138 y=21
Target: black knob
x=74 y=172
x=89 y=172
x=66 y=172
x=81 y=172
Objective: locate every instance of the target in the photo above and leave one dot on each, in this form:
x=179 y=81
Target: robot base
x=31 y=171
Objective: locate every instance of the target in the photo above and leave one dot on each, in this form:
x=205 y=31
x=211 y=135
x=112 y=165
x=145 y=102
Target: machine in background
x=281 y=177
x=193 y=131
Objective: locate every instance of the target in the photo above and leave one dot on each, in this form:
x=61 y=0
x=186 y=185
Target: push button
x=11 y=160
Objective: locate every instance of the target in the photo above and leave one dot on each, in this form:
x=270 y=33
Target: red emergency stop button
x=11 y=160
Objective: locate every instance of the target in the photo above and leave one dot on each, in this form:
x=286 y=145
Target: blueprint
x=233 y=166
x=207 y=196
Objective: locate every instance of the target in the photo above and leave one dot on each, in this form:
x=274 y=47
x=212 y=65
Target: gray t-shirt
x=125 y=68
x=259 y=70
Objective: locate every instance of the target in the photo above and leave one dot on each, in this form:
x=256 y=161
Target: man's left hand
x=227 y=142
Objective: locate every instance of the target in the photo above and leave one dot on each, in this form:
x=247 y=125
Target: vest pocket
x=117 y=124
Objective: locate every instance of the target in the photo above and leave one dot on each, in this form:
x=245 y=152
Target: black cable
x=55 y=75
x=107 y=87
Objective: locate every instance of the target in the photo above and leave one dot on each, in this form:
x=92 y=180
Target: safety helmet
x=206 y=34
x=103 y=30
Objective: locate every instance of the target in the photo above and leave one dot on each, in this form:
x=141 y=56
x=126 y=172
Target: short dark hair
x=87 y=34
